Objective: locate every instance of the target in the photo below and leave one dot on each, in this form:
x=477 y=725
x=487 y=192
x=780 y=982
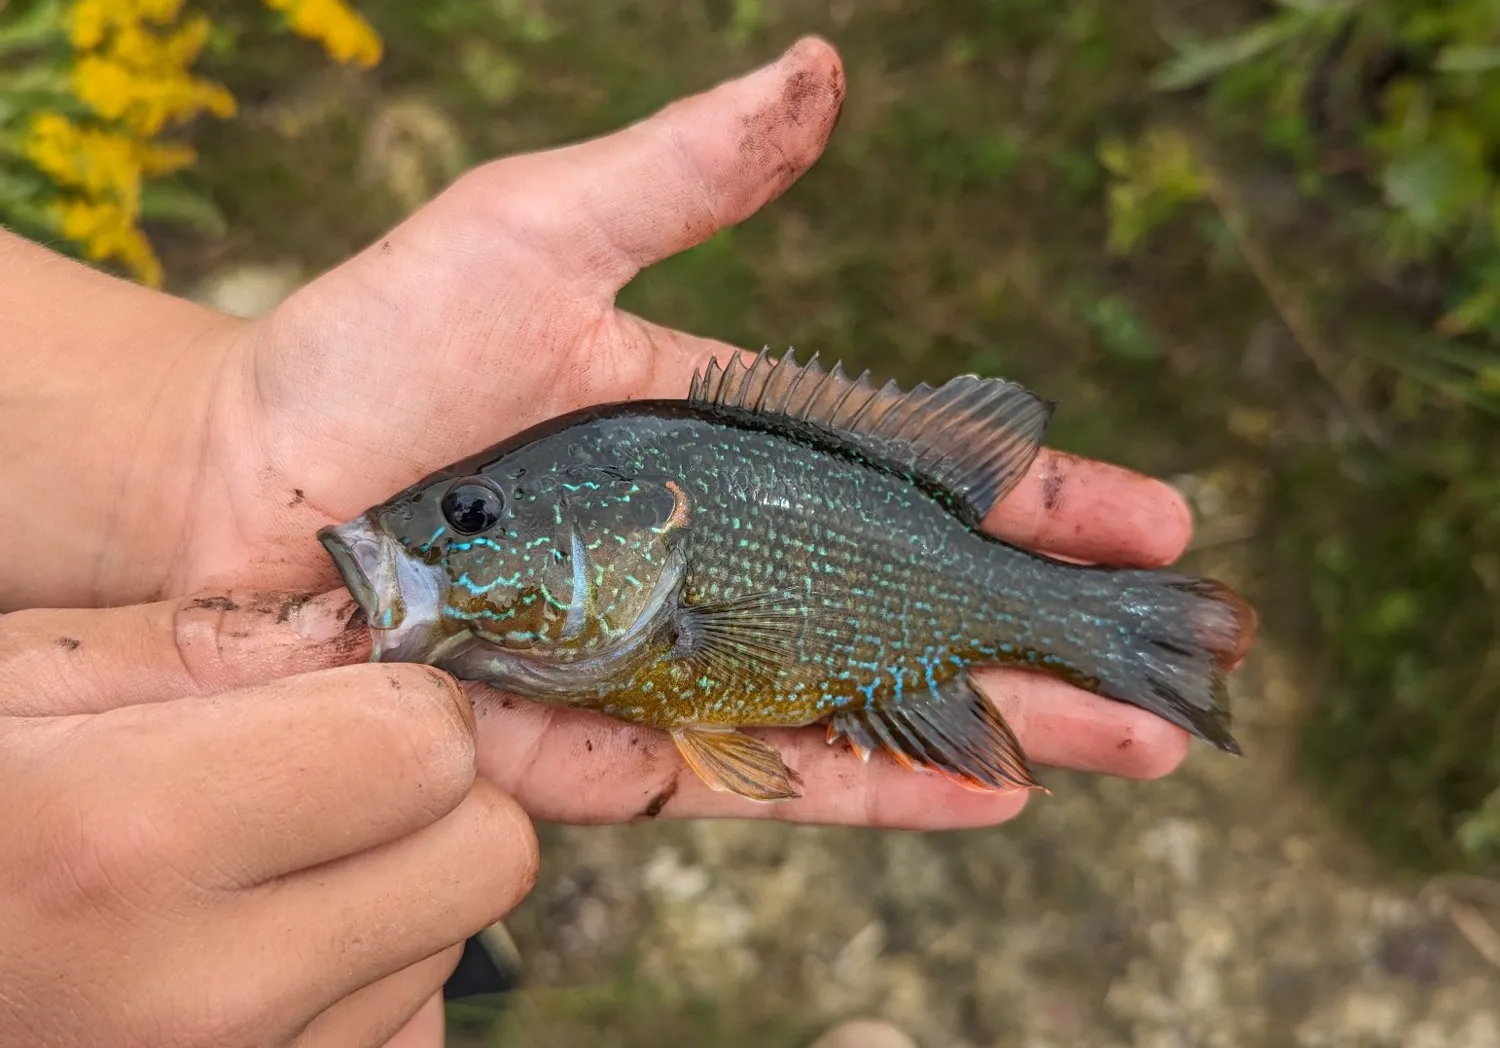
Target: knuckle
x=108 y=858
x=512 y=200
x=199 y=629
x=103 y=845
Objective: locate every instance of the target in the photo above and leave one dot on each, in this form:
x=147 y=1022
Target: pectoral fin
x=757 y=632
x=733 y=762
x=953 y=731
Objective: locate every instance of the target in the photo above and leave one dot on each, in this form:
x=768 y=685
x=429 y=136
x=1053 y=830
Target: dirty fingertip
x=1169 y=522
x=327 y=616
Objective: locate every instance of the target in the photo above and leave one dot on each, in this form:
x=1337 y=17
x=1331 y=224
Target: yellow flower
x=343 y=33
x=90 y=20
x=130 y=65
x=98 y=162
x=108 y=231
x=145 y=102
x=105 y=164
x=137 y=47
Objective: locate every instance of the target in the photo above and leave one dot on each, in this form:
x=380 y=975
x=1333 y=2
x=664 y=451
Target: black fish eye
x=472 y=507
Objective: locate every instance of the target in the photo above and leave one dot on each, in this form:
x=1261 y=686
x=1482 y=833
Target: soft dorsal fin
x=972 y=437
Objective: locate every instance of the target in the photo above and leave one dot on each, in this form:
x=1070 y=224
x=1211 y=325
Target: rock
x=248 y=290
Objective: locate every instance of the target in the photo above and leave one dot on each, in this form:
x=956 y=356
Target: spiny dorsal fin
x=972 y=437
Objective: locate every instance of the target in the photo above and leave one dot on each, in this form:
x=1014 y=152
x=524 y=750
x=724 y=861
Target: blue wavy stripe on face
x=424 y=547
x=479 y=589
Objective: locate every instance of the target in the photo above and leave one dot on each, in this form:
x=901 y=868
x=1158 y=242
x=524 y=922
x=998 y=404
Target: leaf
x=1317 y=7
x=34 y=222
x=174 y=203
x=747 y=18
x=18 y=183
x=1460 y=59
x=1440 y=182
x=1473 y=313
x=1197 y=62
x=1153 y=178
x=1119 y=328
x=34 y=79
x=42 y=25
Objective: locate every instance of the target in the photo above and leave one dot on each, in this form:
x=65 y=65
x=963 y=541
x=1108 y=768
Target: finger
x=370 y=915
x=426 y=1029
x=581 y=767
x=1067 y=506
x=284 y=776
x=62 y=661
x=1094 y=512
x=404 y=1010
x=620 y=203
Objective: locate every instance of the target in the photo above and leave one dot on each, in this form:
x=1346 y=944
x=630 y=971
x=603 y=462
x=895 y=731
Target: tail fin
x=1175 y=639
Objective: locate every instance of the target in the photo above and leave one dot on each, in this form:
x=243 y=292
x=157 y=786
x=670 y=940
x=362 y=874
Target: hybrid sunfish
x=784 y=546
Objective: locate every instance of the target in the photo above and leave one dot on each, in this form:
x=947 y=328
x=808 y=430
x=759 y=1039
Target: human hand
x=494 y=307
x=214 y=838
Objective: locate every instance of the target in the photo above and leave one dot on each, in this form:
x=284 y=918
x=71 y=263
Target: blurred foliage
x=1388 y=112
x=626 y=1008
x=1402 y=94
x=88 y=86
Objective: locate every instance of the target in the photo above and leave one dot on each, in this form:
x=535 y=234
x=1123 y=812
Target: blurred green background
x=1248 y=246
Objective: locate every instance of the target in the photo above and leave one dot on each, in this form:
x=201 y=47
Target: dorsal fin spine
x=970 y=439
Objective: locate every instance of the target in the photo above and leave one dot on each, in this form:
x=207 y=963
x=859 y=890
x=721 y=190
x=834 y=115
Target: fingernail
x=325 y=617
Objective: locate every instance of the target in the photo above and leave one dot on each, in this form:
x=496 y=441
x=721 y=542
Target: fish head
x=567 y=563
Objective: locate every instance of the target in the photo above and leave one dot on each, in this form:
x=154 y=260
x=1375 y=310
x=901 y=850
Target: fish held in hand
x=784 y=546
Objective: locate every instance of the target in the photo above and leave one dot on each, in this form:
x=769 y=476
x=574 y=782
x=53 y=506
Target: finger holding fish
x=580 y=767
x=780 y=545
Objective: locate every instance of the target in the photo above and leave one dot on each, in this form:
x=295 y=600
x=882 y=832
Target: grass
x=621 y=1012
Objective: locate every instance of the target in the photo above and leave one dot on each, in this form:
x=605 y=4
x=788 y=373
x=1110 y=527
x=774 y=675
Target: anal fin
x=733 y=762
x=952 y=731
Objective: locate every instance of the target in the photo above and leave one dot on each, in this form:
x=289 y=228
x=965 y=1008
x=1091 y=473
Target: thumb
x=65 y=661
x=617 y=204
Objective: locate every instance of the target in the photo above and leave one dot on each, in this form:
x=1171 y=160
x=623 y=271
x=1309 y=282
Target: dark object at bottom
x=490 y=964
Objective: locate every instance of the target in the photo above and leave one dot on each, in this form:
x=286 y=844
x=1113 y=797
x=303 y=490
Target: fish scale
x=784 y=546
x=759 y=530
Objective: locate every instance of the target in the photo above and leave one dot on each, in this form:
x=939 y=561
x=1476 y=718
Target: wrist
x=106 y=392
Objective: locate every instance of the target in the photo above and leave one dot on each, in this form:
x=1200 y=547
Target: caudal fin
x=1171 y=640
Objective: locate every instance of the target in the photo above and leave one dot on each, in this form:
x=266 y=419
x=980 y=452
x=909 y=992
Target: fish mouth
x=401 y=597
x=366 y=561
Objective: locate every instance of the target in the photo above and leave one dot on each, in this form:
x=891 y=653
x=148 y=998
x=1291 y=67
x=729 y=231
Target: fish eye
x=472 y=506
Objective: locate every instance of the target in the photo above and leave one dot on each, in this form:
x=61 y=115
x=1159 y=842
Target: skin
x=321 y=801
x=185 y=452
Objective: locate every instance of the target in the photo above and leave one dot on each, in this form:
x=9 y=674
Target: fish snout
x=366 y=560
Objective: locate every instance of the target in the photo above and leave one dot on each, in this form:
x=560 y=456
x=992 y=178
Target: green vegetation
x=1387 y=116
x=624 y=1009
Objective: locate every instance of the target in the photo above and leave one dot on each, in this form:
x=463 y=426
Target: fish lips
x=366 y=560
x=400 y=596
